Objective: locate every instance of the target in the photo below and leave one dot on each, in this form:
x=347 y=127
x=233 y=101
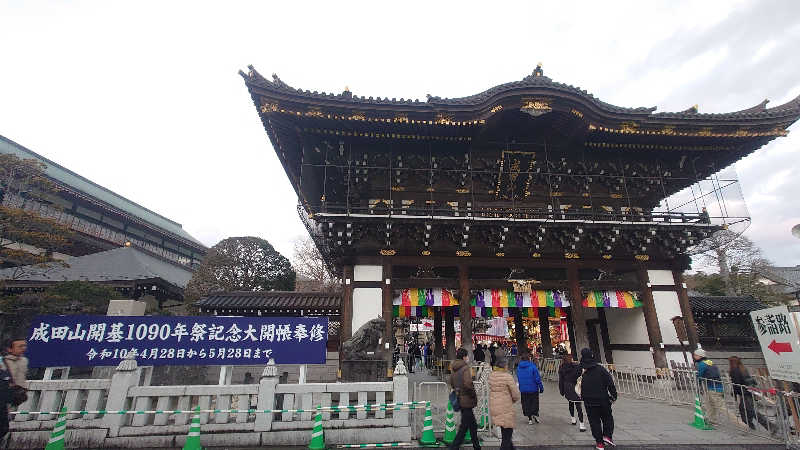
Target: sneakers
x=530 y=421
x=599 y=446
x=608 y=441
x=574 y=421
x=582 y=427
x=536 y=419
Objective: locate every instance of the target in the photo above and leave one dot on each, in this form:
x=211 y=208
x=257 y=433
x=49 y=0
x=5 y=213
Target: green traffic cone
x=317 y=433
x=449 y=426
x=428 y=439
x=699 y=417
x=193 y=438
x=56 y=441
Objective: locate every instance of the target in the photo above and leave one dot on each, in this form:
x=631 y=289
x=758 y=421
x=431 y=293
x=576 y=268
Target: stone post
x=266 y=396
x=125 y=376
x=400 y=381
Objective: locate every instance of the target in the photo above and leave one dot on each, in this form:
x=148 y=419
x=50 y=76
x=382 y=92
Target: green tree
x=69 y=297
x=23 y=185
x=241 y=264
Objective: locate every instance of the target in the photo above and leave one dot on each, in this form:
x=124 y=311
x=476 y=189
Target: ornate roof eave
x=484 y=104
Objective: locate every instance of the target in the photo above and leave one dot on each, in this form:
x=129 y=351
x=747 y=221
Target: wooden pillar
x=437 y=331
x=464 y=312
x=450 y=333
x=346 y=329
x=651 y=318
x=519 y=331
x=604 y=336
x=544 y=330
x=686 y=309
x=576 y=310
x=388 y=334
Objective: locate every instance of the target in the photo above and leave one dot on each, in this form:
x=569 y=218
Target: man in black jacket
x=598 y=393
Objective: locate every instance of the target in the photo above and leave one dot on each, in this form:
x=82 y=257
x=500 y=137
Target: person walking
x=16 y=362
x=461 y=382
x=598 y=393
x=710 y=384
x=503 y=393
x=492 y=353
x=568 y=375
x=13 y=377
x=530 y=385
x=741 y=379
x=478 y=354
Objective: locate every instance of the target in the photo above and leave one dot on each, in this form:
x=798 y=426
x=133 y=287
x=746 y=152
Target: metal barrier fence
x=437 y=392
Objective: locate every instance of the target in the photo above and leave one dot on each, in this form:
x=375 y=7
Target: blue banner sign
x=164 y=340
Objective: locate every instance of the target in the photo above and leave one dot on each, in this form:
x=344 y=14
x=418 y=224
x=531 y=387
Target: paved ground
x=639 y=424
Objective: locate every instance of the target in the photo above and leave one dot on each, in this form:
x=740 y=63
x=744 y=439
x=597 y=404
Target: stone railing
x=163 y=428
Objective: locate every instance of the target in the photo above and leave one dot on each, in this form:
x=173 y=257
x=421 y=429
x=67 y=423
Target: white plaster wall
x=661 y=277
x=367 y=305
x=667 y=307
x=677 y=357
x=590 y=313
x=367 y=273
x=626 y=326
x=633 y=359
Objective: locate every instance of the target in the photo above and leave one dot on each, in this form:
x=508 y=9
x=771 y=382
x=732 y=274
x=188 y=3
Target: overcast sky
x=144 y=97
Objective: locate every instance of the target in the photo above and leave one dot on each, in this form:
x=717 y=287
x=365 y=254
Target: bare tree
x=741 y=265
x=27 y=235
x=308 y=264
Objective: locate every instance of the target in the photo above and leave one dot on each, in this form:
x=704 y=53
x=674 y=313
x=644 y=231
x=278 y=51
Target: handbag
x=578 y=383
x=454 y=401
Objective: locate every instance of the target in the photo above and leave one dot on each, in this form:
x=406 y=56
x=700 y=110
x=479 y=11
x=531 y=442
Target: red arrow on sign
x=780 y=347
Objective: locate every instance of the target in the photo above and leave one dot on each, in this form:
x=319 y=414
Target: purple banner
x=166 y=340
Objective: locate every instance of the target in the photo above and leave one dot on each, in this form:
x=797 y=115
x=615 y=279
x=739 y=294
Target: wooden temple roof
x=272 y=302
x=475 y=109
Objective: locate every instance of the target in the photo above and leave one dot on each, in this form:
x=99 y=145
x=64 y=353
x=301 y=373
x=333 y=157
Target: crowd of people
x=586 y=383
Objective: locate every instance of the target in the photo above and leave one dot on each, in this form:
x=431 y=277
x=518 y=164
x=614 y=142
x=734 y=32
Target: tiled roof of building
x=63 y=176
x=724 y=304
x=271 y=301
x=119 y=264
x=788 y=111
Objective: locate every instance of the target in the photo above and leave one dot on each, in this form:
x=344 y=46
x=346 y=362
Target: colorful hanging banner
x=425 y=297
x=412 y=311
x=611 y=299
x=507 y=298
x=527 y=313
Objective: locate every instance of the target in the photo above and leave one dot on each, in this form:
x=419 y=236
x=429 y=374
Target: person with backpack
x=530 y=385
x=598 y=393
x=568 y=375
x=467 y=398
x=710 y=385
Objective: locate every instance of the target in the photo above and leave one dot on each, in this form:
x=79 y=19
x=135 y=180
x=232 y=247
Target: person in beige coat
x=503 y=393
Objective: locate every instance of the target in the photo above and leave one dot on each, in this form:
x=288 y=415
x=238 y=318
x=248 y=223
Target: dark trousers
x=468 y=422
x=600 y=419
x=747 y=411
x=505 y=443
x=530 y=404
x=572 y=407
x=3 y=422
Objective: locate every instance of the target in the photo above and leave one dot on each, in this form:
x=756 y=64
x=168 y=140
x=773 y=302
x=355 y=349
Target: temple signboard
x=777 y=333
x=80 y=340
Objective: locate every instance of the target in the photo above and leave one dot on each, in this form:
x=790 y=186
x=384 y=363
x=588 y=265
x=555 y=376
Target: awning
x=507 y=298
x=611 y=299
x=425 y=297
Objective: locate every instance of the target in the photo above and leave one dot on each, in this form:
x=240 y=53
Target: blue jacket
x=709 y=375
x=529 y=378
